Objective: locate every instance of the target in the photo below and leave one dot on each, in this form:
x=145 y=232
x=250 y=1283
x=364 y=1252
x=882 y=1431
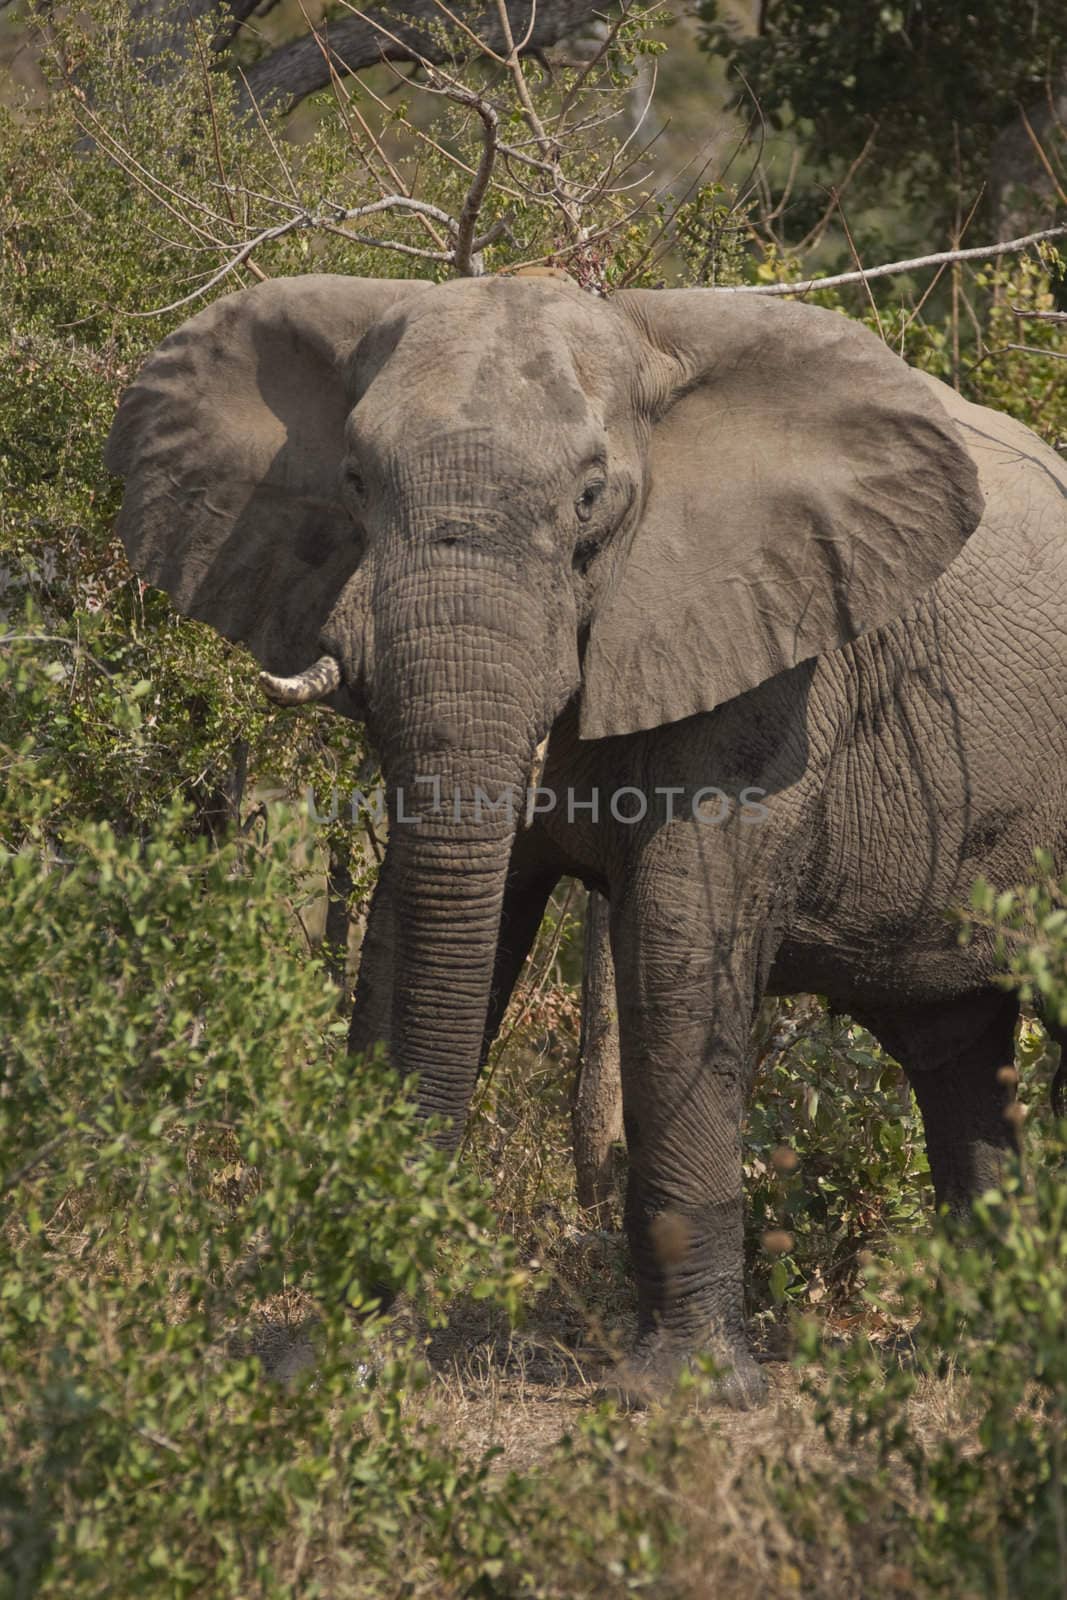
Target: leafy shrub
x=980 y=1502
x=1029 y=928
x=834 y=1155
x=180 y=1141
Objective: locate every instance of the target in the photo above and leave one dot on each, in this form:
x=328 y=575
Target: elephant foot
x=651 y=1372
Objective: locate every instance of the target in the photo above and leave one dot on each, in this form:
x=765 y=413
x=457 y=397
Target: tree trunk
x=350 y=44
x=596 y=1118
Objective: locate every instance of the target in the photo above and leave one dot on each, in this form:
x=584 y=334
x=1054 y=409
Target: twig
x=295 y=208
x=889 y=269
x=346 y=105
x=220 y=165
x=329 y=223
x=936 y=279
x=1039 y=150
x=601 y=186
x=479 y=44
x=812 y=237
x=625 y=15
x=522 y=88
x=265 y=128
x=1036 y=350
x=972 y=317
x=859 y=267
x=783 y=201
x=956 y=269
x=416 y=132
x=672 y=216
x=444 y=83
x=1002 y=349
x=141 y=174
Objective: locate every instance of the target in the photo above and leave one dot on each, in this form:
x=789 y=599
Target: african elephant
x=791 y=616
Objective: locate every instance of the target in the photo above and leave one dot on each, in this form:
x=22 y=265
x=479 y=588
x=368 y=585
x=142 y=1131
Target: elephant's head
x=465 y=504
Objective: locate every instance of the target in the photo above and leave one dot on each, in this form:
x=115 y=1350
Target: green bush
x=834 y=1157
x=180 y=1142
x=1029 y=928
x=979 y=1501
x=978 y=1504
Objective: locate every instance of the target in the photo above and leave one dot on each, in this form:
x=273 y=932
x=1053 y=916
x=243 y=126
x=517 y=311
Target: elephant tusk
x=314 y=683
x=537 y=766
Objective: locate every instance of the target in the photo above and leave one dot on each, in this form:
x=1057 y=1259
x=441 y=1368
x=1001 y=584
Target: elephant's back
x=952 y=746
x=1007 y=454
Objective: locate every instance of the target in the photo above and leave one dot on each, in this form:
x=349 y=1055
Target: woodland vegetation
x=199 y=1191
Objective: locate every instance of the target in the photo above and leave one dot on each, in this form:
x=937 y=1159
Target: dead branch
x=814 y=236
x=1036 y=350
x=1039 y=151
x=455 y=240
x=513 y=65
x=329 y=222
x=441 y=81
x=889 y=269
x=936 y=279
x=347 y=108
x=864 y=276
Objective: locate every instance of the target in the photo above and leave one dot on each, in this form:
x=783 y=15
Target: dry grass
x=724 y=1479
x=720 y=1476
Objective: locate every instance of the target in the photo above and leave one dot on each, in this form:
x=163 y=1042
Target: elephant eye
x=354 y=480
x=584 y=505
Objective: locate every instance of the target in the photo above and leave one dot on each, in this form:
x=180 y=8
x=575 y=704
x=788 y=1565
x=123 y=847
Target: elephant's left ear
x=804 y=485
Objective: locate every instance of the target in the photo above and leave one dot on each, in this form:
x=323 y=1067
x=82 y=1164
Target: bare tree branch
x=559 y=192
x=889 y=269
x=1037 y=350
x=346 y=106
x=455 y=237
x=522 y=88
x=328 y=222
x=814 y=236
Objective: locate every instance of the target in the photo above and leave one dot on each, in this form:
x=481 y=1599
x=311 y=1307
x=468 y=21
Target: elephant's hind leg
x=958 y=1057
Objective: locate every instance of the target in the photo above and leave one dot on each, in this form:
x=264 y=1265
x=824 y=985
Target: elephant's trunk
x=459 y=709
x=449 y=919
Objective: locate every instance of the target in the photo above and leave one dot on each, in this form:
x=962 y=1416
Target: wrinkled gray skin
x=697 y=540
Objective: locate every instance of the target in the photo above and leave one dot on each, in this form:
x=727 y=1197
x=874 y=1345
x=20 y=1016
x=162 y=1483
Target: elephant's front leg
x=685 y=1011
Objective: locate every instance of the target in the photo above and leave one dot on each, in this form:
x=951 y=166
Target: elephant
x=706 y=599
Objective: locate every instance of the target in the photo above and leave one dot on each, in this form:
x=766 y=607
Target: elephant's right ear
x=231 y=443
